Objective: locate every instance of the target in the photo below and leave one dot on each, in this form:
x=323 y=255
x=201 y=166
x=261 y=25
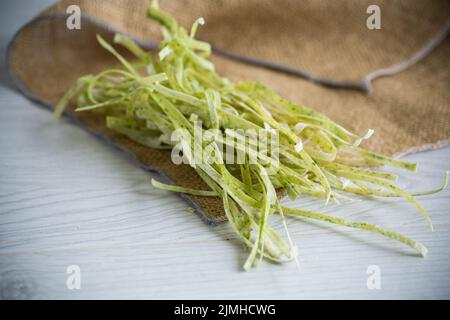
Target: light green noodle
x=149 y=100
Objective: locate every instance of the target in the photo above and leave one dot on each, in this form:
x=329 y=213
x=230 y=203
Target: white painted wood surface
x=67 y=199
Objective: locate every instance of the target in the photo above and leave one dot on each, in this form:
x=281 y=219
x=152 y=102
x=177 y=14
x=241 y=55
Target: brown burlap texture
x=409 y=111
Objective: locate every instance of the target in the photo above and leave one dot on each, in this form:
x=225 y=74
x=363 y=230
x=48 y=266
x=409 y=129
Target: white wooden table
x=67 y=199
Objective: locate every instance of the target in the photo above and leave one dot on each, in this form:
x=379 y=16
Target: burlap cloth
x=409 y=110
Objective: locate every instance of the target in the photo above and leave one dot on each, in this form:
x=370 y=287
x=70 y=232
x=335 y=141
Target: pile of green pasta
x=148 y=100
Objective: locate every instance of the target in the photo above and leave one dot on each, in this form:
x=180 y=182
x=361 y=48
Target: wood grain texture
x=67 y=199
